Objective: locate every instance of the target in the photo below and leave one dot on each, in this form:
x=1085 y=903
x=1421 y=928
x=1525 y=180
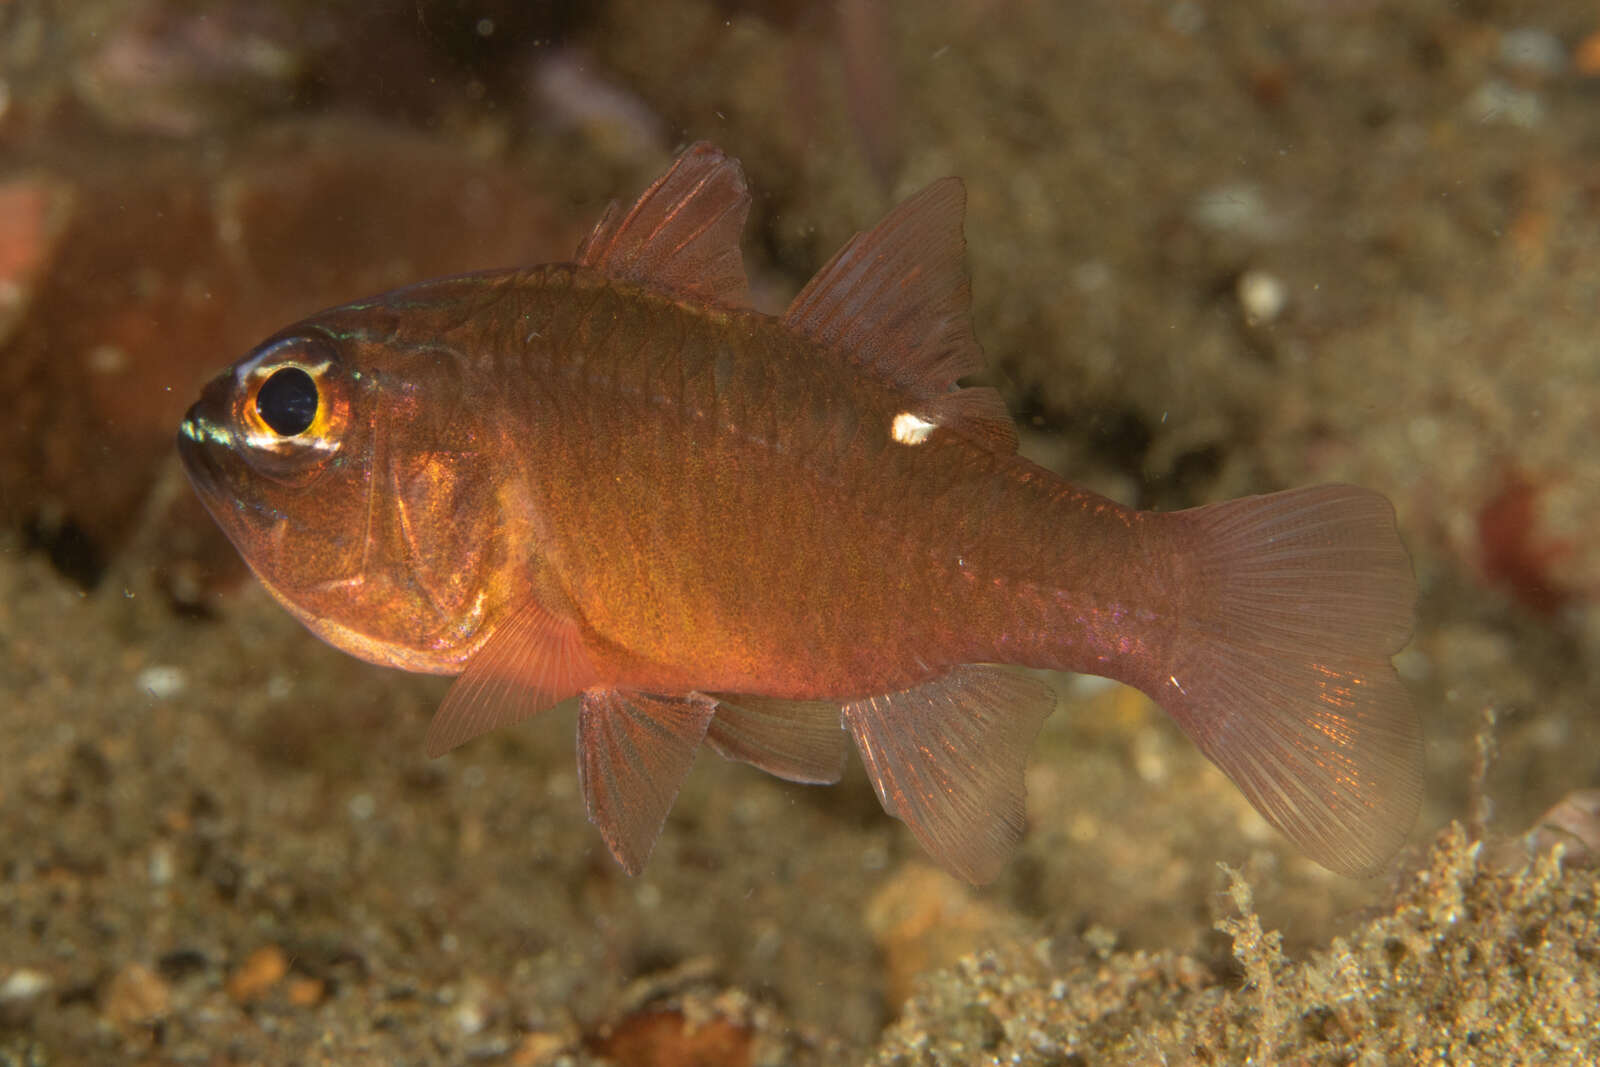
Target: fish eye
x=291 y=406
x=287 y=401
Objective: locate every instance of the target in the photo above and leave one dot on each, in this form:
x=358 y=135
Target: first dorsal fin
x=682 y=234
x=895 y=299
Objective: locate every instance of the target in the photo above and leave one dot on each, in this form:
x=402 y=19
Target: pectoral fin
x=947 y=758
x=634 y=750
x=535 y=660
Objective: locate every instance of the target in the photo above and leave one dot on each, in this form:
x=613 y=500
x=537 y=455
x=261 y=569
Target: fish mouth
x=209 y=452
x=197 y=439
x=204 y=438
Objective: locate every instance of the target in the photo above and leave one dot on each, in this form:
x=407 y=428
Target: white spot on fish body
x=910 y=429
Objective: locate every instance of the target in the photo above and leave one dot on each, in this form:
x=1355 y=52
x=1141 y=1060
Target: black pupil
x=288 y=401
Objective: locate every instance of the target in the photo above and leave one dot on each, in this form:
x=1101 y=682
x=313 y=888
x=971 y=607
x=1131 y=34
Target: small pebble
x=922 y=919
x=136 y=996
x=540 y=1048
x=161 y=867
x=1150 y=756
x=306 y=992
x=471 y=1017
x=23 y=984
x=1587 y=55
x=1533 y=51
x=668 y=1037
x=1496 y=101
x=1413 y=664
x=1101 y=939
x=162 y=682
x=263 y=970
x=1262 y=296
x=1239 y=207
x=361 y=806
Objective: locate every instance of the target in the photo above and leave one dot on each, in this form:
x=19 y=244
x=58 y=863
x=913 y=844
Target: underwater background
x=1216 y=249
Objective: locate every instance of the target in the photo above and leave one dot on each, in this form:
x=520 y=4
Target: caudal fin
x=1286 y=682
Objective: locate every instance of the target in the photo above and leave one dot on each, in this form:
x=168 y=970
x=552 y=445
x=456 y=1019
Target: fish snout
x=205 y=428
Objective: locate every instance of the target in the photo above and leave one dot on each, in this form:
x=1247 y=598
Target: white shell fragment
x=162 y=682
x=1262 y=296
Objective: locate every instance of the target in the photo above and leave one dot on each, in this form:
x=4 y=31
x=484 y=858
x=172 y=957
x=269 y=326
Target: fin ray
x=947 y=758
x=534 y=660
x=682 y=234
x=1287 y=686
x=977 y=412
x=634 y=750
x=797 y=740
x=895 y=299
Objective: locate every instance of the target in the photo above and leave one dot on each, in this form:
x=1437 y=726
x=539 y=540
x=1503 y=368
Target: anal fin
x=634 y=750
x=798 y=740
x=535 y=660
x=947 y=758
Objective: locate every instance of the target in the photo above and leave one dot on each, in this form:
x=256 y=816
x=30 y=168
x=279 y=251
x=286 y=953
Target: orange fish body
x=613 y=479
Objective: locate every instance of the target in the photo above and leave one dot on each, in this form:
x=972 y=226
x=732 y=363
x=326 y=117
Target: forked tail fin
x=1286 y=682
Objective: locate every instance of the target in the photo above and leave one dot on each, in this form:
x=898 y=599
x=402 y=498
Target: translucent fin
x=682 y=234
x=534 y=661
x=896 y=300
x=799 y=740
x=634 y=750
x=1288 y=687
x=979 y=413
x=947 y=758
x=896 y=297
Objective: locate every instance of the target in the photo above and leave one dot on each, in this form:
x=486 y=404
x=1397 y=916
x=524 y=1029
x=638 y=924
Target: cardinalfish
x=612 y=479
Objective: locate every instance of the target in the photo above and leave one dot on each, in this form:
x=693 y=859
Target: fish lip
x=204 y=433
x=206 y=449
x=206 y=478
x=191 y=434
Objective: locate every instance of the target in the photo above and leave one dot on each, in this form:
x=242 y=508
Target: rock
x=264 y=969
x=135 y=997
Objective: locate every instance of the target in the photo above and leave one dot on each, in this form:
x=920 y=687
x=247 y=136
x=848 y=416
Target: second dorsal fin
x=896 y=296
x=682 y=234
x=896 y=300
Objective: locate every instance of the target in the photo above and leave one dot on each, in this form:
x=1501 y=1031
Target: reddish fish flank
x=612 y=479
